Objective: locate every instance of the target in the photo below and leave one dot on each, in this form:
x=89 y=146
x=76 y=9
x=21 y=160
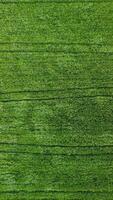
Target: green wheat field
x=56 y=99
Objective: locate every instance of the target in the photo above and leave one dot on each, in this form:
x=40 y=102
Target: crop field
x=56 y=99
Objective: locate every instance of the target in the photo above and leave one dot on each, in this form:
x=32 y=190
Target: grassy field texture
x=56 y=100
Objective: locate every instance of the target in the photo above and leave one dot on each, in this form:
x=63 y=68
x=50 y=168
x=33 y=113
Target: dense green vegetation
x=56 y=100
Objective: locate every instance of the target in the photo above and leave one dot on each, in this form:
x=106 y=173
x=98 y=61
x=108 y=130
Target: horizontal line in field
x=34 y=132
x=56 y=43
x=58 y=145
x=54 y=191
x=55 y=1
x=54 y=52
x=54 y=98
x=73 y=178
x=57 y=90
x=56 y=154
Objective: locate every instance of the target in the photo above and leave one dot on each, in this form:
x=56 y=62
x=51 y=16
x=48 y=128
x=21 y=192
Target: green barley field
x=56 y=99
